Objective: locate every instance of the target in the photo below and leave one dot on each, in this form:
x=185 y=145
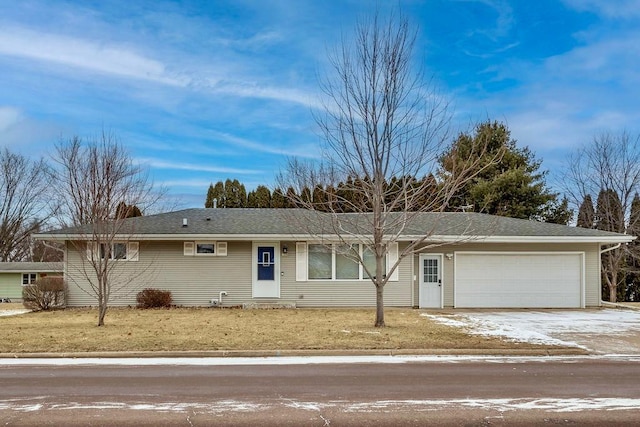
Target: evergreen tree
x=586 y=214
x=610 y=217
x=215 y=193
x=208 y=203
x=262 y=197
x=632 y=292
x=235 y=194
x=277 y=199
x=513 y=186
x=609 y=214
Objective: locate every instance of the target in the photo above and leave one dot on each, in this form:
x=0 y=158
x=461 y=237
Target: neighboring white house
x=238 y=256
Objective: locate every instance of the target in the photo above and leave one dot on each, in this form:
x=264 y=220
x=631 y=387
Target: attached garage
x=519 y=280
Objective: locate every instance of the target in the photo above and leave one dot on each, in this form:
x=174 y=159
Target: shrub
x=45 y=294
x=153 y=298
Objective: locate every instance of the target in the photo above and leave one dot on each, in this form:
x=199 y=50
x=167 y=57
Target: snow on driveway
x=605 y=331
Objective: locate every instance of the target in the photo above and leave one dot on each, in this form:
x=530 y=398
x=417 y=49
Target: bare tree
x=91 y=180
x=23 y=204
x=609 y=166
x=383 y=127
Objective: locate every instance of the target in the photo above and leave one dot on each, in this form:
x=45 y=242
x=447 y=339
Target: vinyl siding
x=592 y=263
x=11 y=285
x=192 y=280
x=195 y=280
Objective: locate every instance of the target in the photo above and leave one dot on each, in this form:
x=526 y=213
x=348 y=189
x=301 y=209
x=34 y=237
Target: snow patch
x=548 y=327
x=557 y=405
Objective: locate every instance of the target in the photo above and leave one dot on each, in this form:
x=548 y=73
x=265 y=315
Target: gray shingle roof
x=31 y=267
x=299 y=222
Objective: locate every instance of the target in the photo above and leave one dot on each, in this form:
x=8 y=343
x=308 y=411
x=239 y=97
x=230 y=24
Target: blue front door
x=266 y=263
x=266 y=270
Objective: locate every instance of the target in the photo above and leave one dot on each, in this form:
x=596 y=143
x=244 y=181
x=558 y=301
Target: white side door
x=430 y=281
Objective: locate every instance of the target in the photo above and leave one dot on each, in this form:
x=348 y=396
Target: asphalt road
x=493 y=392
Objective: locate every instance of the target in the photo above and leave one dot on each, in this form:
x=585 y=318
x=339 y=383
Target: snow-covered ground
x=607 y=331
x=13 y=312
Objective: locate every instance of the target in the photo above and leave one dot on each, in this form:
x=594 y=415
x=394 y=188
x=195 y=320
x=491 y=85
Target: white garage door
x=518 y=280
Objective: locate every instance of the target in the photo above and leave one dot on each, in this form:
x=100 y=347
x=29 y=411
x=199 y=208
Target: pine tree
x=277 y=199
x=610 y=217
x=262 y=197
x=632 y=292
x=210 y=196
x=514 y=186
x=586 y=214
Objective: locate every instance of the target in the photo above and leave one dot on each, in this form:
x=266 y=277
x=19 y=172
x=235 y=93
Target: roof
x=31 y=267
x=281 y=224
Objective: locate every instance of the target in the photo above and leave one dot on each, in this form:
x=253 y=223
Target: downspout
x=612 y=248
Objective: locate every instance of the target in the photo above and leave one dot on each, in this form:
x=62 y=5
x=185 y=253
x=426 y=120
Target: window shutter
x=133 y=249
x=392 y=258
x=189 y=249
x=92 y=251
x=221 y=248
x=301 y=262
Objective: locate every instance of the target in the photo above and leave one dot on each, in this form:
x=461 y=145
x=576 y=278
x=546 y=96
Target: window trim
x=190 y=248
x=131 y=250
x=30 y=282
x=205 y=242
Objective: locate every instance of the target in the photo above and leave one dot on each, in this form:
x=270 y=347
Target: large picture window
x=339 y=262
x=320 y=262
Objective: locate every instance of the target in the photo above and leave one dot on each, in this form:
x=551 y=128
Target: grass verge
x=184 y=329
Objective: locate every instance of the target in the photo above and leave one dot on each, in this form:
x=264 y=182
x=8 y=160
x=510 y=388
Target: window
x=320 y=262
x=127 y=251
x=113 y=251
x=339 y=262
x=28 y=278
x=369 y=259
x=205 y=248
x=347 y=266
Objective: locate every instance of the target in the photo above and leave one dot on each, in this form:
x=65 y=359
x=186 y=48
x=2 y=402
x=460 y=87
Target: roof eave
x=279 y=237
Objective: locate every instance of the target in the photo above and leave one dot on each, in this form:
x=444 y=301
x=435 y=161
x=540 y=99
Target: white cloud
x=625 y=9
x=165 y=164
x=84 y=54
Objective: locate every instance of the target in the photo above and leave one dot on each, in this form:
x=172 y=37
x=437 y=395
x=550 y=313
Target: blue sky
x=209 y=90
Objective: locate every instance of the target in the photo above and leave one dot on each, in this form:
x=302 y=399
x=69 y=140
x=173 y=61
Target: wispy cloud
x=625 y=9
x=84 y=54
x=302 y=150
x=165 y=164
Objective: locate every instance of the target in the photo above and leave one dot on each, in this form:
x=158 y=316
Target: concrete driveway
x=602 y=331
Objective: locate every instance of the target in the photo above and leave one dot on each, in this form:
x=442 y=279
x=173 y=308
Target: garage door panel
x=537 y=280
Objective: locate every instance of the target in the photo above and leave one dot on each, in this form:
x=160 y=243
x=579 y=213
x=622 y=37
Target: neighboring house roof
x=281 y=224
x=31 y=267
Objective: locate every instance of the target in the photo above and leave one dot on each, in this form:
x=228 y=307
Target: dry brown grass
x=181 y=329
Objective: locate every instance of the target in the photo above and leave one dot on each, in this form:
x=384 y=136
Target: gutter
x=612 y=248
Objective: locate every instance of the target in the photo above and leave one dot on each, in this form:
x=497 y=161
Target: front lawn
x=184 y=329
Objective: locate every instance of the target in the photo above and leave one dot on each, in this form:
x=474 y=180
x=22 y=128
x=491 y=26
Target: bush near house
x=153 y=298
x=45 y=294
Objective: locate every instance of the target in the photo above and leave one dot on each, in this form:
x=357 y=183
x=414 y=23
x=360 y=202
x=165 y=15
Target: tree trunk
x=102 y=311
x=379 y=306
x=613 y=290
